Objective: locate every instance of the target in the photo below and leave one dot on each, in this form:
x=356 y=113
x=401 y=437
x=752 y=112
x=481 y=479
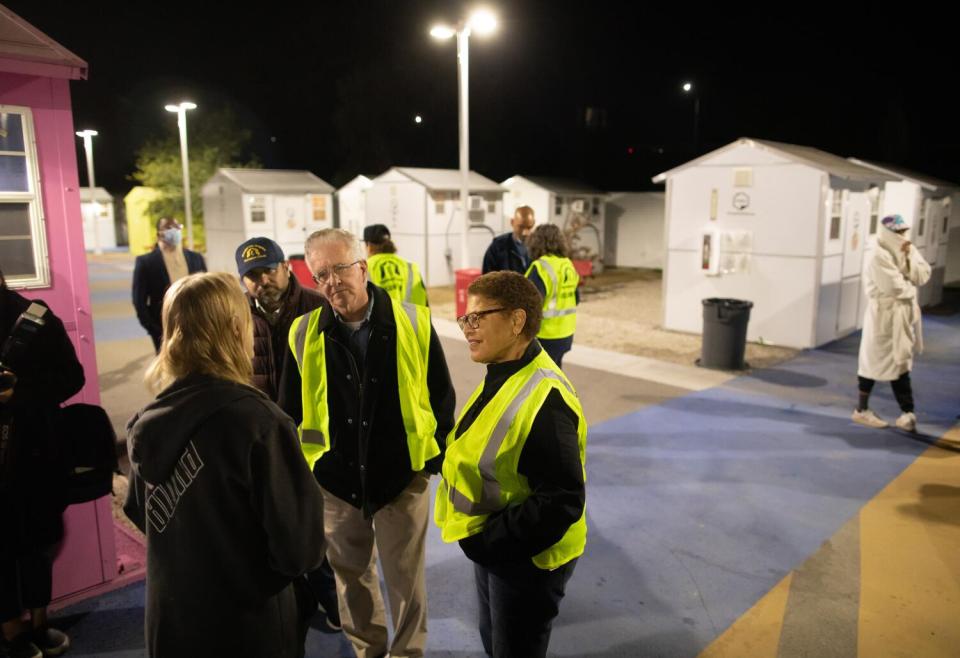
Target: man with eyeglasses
x=373 y=400
x=276 y=299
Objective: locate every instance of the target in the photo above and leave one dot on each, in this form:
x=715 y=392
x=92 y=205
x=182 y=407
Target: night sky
x=333 y=87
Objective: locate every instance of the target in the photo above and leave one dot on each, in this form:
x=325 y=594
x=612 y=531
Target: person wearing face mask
x=891 y=324
x=276 y=299
x=153 y=273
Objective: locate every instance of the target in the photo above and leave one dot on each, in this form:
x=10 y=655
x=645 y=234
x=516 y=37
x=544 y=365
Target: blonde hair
x=207 y=330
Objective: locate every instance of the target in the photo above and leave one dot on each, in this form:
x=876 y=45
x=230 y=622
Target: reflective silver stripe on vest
x=300 y=340
x=312 y=436
x=490 y=497
x=560 y=313
x=411 y=312
x=553 y=277
x=406 y=296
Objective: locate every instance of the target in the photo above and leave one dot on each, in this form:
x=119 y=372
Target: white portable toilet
x=97 y=211
x=780 y=225
x=634 y=230
x=575 y=207
x=925 y=203
x=352 y=205
x=285 y=206
x=422 y=210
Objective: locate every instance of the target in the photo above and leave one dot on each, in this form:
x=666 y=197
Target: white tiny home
x=285 y=206
x=926 y=204
x=634 y=230
x=571 y=205
x=780 y=225
x=99 y=227
x=351 y=203
x=422 y=210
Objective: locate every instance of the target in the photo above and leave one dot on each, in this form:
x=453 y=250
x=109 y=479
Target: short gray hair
x=336 y=235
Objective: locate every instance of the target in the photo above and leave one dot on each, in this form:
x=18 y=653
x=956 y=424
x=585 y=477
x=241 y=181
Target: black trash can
x=724 y=333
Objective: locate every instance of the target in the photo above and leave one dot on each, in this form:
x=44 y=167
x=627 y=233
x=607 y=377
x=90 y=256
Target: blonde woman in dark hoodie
x=232 y=514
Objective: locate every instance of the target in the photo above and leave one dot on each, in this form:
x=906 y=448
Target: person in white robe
x=892 y=325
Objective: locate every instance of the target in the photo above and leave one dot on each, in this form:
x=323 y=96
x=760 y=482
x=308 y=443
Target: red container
x=584 y=268
x=464 y=279
x=301 y=271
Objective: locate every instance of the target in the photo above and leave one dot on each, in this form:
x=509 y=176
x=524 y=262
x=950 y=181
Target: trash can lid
x=727 y=302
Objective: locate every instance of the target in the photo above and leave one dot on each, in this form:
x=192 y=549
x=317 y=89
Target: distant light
x=687 y=86
x=442 y=32
x=629 y=150
x=186 y=105
x=483 y=22
x=418 y=119
x=84 y=133
x=273 y=139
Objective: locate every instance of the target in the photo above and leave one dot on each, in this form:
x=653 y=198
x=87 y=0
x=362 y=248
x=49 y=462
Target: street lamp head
x=418 y=119
x=86 y=133
x=482 y=22
x=442 y=32
x=687 y=86
x=185 y=105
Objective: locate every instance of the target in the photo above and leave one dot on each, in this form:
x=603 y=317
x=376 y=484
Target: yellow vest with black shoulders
x=560 y=279
x=480 y=468
x=399 y=277
x=308 y=345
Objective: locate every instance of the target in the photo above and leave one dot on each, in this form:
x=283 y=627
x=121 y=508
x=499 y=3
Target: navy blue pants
x=517 y=605
x=556 y=348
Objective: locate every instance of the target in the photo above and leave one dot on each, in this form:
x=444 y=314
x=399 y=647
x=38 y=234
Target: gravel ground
x=620 y=311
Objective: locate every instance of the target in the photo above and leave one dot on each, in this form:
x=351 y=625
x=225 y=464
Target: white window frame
x=34 y=199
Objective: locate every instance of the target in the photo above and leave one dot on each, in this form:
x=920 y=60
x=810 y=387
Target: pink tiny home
x=41 y=244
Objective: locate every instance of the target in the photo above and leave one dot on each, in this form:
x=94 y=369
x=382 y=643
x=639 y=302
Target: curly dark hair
x=512 y=291
x=547 y=239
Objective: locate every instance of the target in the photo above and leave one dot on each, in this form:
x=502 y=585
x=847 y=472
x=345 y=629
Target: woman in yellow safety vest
x=398 y=276
x=513 y=492
x=555 y=277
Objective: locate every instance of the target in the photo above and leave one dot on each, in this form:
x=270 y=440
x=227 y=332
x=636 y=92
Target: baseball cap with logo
x=376 y=233
x=258 y=252
x=895 y=223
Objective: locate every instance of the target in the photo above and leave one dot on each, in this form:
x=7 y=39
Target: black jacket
x=270 y=346
x=504 y=254
x=232 y=515
x=150 y=282
x=550 y=460
x=31 y=473
x=368 y=463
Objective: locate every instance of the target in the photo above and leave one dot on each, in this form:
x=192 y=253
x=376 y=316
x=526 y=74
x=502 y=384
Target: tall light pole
x=483 y=22
x=688 y=89
x=88 y=136
x=181 y=111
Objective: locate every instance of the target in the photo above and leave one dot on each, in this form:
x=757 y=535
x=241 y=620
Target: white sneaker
x=907 y=421
x=870 y=419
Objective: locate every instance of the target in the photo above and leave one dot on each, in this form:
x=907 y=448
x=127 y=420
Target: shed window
x=836 y=213
x=558 y=206
x=923 y=217
x=23 y=241
x=874 y=212
x=258 y=210
x=439 y=203
x=319 y=208
x=596 y=206
x=491 y=207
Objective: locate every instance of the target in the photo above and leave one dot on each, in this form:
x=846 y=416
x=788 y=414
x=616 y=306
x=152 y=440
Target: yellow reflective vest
x=399 y=277
x=560 y=279
x=308 y=345
x=480 y=468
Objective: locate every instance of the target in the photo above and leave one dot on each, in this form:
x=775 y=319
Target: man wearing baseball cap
x=276 y=299
x=399 y=277
x=891 y=324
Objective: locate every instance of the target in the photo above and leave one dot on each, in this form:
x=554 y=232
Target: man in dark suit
x=507 y=251
x=155 y=271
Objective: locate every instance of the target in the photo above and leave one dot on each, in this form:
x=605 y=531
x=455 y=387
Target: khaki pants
x=398 y=533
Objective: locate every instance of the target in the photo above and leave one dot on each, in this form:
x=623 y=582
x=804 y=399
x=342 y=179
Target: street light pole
x=88 y=136
x=484 y=23
x=181 y=111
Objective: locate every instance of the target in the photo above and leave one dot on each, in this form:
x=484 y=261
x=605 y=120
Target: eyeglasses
x=337 y=271
x=473 y=319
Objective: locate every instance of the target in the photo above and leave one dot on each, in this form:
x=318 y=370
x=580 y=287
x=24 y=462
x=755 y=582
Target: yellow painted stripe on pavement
x=910 y=560
x=757 y=632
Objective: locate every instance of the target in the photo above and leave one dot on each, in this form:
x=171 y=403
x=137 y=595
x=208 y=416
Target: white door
x=856 y=218
x=290 y=219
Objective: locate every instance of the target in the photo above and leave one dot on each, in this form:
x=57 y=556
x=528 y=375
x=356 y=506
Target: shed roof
x=447 y=179
x=99 y=194
x=806 y=155
x=25 y=49
x=560 y=185
x=923 y=180
x=266 y=181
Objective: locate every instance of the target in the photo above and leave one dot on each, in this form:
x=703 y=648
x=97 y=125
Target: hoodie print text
x=162 y=500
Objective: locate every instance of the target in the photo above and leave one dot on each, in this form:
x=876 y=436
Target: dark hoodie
x=232 y=515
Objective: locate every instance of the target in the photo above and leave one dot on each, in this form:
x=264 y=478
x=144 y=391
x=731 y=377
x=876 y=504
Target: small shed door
x=856 y=217
x=289 y=214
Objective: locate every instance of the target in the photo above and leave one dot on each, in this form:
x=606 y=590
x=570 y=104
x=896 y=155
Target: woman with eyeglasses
x=513 y=492
x=553 y=274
